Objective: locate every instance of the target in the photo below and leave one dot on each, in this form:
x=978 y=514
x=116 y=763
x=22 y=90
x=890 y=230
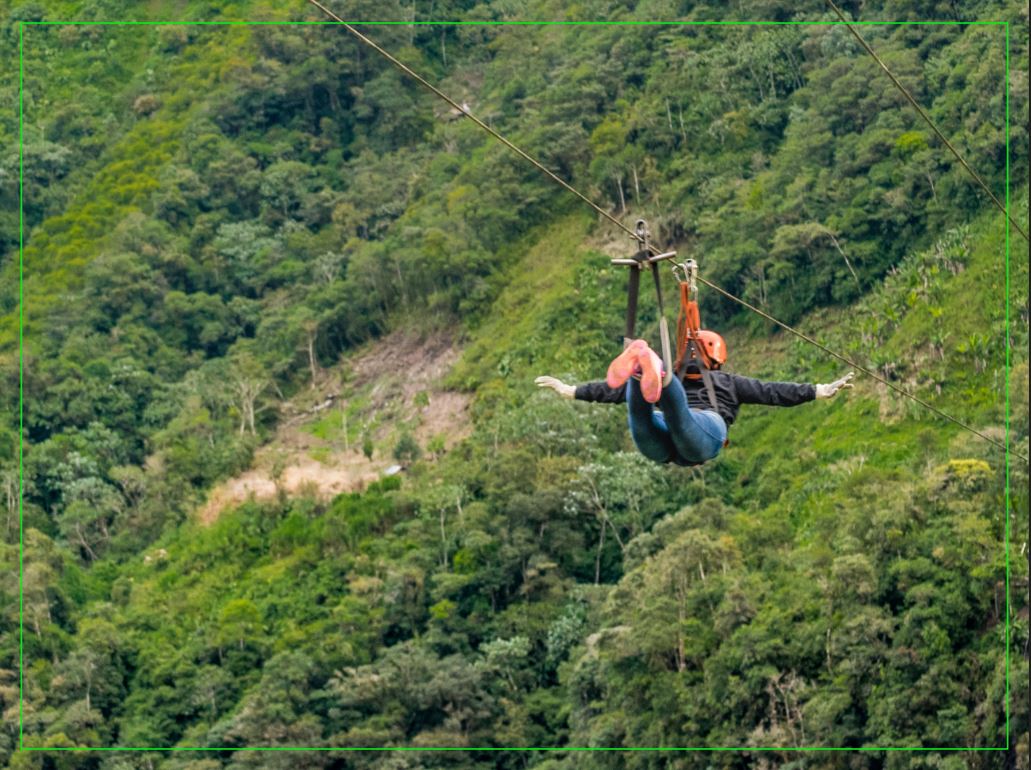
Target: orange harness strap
x=689 y=323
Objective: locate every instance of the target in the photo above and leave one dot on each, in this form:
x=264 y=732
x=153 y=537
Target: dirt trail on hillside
x=391 y=374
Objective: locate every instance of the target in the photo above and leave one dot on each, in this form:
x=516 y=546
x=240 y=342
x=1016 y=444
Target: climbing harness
x=651 y=249
x=690 y=349
x=642 y=259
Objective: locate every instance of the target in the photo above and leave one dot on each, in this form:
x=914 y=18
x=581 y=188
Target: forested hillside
x=223 y=224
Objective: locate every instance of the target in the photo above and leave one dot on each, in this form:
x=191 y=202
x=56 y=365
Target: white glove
x=566 y=391
x=828 y=390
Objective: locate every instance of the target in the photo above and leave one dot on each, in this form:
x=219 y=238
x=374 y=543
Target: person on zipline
x=687 y=431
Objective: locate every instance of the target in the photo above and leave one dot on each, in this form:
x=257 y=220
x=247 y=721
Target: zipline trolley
x=642 y=259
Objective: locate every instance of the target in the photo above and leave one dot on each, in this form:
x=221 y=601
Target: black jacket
x=731 y=391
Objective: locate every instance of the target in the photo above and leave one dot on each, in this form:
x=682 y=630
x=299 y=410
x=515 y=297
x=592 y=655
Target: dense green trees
x=216 y=217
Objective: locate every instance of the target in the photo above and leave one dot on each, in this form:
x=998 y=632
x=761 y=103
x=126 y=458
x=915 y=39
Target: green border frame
x=21 y=456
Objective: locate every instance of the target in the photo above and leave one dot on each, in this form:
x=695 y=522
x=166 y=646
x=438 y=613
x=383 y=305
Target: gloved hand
x=828 y=390
x=566 y=391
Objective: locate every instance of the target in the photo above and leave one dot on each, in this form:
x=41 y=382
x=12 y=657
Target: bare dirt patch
x=419 y=359
x=343 y=472
x=400 y=376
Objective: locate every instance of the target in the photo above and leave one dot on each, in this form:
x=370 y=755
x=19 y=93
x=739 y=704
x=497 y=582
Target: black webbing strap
x=707 y=379
x=633 y=286
x=658 y=288
x=691 y=354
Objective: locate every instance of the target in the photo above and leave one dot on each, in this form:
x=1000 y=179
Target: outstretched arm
x=589 y=391
x=752 y=391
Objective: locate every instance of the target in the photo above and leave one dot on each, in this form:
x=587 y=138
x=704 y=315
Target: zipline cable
x=927 y=118
x=464 y=111
x=422 y=81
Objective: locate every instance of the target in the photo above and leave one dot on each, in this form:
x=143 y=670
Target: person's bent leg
x=647 y=429
x=697 y=435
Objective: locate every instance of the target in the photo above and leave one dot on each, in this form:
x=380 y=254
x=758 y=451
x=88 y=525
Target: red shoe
x=625 y=364
x=651 y=376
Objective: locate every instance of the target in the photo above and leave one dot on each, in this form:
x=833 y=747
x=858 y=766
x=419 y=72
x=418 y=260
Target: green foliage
x=216 y=216
x=407 y=449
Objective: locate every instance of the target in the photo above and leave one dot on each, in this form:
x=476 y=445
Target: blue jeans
x=678 y=434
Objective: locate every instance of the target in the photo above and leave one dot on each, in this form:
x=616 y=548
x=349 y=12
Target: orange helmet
x=714 y=346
